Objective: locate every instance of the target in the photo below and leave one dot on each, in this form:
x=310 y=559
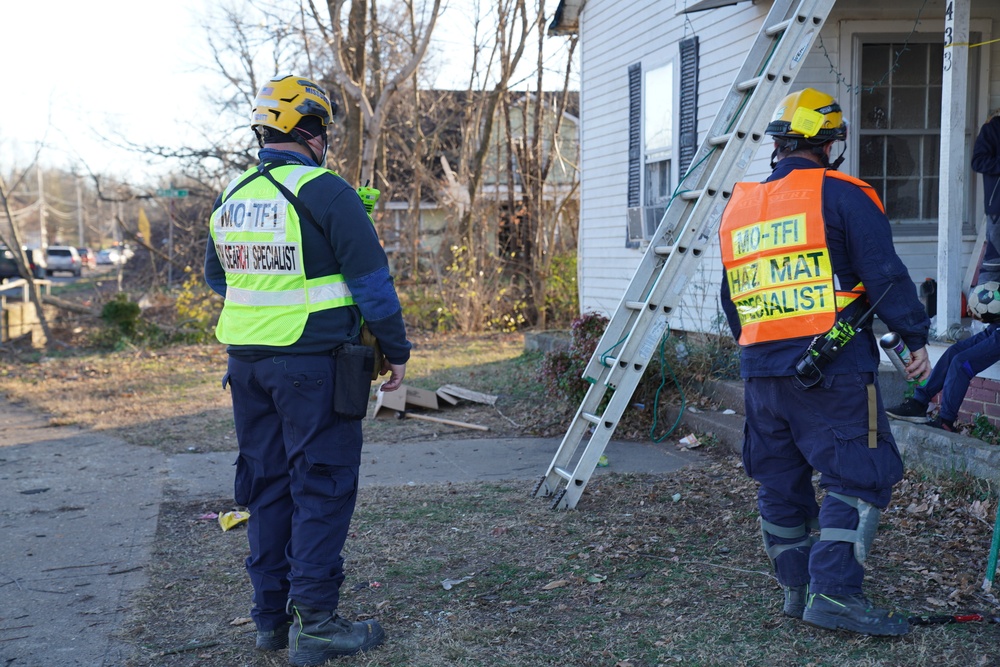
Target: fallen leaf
x=596 y=578
x=558 y=583
x=448 y=583
x=241 y=620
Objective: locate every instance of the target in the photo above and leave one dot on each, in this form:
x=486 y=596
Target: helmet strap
x=840 y=159
x=783 y=147
x=302 y=138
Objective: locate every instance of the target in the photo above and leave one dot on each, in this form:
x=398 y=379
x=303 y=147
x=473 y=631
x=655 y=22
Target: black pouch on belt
x=353 y=382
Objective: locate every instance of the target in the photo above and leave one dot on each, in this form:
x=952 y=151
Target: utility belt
x=824 y=349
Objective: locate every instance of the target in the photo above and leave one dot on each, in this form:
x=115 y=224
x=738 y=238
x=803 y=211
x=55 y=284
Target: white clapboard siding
x=618 y=33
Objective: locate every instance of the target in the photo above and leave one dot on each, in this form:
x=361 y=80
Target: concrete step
x=921 y=447
x=726 y=428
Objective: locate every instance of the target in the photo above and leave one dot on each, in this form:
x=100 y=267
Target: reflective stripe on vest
x=777 y=263
x=314 y=296
x=258 y=239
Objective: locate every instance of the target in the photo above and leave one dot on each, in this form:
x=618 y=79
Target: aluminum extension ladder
x=689 y=225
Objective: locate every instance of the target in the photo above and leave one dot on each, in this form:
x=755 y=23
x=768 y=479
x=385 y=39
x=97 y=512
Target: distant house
x=444 y=193
x=646 y=108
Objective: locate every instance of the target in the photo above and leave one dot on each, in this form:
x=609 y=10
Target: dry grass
x=631 y=578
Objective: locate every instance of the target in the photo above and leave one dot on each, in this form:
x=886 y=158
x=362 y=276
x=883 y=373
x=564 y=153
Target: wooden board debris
x=466 y=394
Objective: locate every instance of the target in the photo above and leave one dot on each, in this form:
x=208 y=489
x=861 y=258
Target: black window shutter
x=634 y=132
x=688 y=135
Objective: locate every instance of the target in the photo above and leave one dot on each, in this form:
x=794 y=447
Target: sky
x=116 y=67
x=74 y=71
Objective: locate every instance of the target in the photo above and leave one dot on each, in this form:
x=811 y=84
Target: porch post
x=954 y=165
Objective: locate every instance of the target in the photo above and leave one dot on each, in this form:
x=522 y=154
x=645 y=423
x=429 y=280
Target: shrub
x=197 y=308
x=124 y=325
x=470 y=295
x=562 y=371
x=122 y=315
x=562 y=298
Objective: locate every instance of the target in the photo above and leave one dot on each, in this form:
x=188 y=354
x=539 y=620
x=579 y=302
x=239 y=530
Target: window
x=662 y=136
x=896 y=124
x=658 y=144
x=899 y=127
x=651 y=149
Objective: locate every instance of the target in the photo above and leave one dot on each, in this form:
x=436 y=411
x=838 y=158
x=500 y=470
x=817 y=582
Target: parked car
x=87 y=257
x=109 y=256
x=63 y=258
x=8 y=267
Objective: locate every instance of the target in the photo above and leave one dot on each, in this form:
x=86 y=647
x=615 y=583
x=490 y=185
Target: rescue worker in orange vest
x=802 y=250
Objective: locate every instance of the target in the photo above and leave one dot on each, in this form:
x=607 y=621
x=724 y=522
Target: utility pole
x=42 y=238
x=170 y=243
x=79 y=214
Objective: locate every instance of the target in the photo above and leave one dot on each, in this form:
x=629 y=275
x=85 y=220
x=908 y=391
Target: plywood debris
x=455 y=392
x=396 y=404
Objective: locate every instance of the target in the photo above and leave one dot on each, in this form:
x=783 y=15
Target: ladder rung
x=592 y=418
x=662 y=251
x=608 y=362
x=690 y=195
x=720 y=140
x=778 y=28
x=744 y=86
x=565 y=474
x=635 y=305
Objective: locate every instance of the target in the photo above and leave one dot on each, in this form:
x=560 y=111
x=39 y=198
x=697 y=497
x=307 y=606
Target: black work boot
x=273 y=640
x=316 y=636
x=854 y=613
x=795 y=600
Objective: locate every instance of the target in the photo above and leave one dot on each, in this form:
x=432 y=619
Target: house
x=448 y=146
x=916 y=79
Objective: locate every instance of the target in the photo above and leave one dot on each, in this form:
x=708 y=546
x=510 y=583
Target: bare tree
x=511 y=34
x=535 y=153
x=373 y=88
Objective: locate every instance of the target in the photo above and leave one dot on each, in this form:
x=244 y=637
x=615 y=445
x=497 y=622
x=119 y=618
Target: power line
x=858 y=89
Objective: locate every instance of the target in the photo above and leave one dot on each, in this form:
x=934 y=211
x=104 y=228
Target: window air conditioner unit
x=635 y=224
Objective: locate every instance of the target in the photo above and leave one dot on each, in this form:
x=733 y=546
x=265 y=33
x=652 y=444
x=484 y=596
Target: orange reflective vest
x=776 y=259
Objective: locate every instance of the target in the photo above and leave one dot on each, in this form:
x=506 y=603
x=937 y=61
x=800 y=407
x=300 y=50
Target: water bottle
x=899 y=355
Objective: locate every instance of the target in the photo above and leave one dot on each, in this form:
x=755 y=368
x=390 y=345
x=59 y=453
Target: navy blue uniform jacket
x=986 y=160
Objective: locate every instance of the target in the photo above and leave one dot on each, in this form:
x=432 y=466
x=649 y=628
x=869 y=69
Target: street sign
x=172 y=193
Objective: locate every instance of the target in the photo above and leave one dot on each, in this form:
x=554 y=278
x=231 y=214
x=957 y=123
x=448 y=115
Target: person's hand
x=919 y=368
x=395 y=381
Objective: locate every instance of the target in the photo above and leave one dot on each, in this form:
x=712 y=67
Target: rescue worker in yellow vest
x=298 y=261
x=802 y=250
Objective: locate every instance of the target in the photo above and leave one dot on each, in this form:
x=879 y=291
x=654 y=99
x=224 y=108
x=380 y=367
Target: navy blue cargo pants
x=297 y=474
x=790 y=432
x=954 y=371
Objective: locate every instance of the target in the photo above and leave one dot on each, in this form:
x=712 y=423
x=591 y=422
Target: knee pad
x=863 y=535
x=800 y=533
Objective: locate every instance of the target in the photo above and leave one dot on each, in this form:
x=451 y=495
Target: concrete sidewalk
x=77 y=519
x=78 y=513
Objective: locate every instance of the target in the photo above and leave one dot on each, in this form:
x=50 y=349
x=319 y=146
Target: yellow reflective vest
x=258 y=238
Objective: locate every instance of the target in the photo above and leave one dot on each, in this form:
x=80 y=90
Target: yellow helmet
x=284 y=100
x=808 y=114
